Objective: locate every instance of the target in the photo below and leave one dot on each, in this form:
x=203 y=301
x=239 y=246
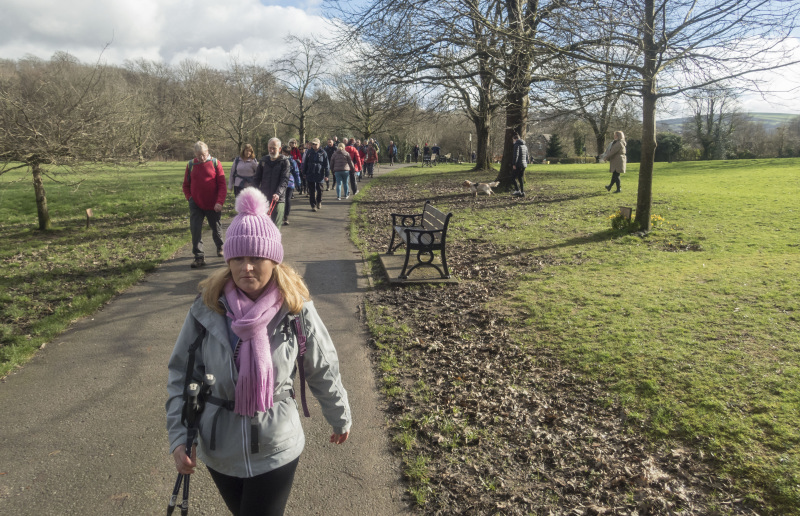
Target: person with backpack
x=272 y=178
x=370 y=160
x=243 y=170
x=358 y=164
x=391 y=152
x=519 y=161
x=205 y=189
x=253 y=327
x=316 y=168
x=342 y=166
x=294 y=180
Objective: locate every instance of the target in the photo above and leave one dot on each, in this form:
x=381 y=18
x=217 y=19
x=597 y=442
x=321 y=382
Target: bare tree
x=247 y=103
x=714 y=120
x=302 y=72
x=151 y=86
x=369 y=106
x=53 y=114
x=432 y=45
x=199 y=99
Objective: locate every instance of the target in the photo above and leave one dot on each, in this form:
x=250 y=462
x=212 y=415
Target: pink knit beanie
x=252 y=232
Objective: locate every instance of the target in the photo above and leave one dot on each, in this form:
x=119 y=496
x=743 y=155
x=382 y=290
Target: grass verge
x=50 y=278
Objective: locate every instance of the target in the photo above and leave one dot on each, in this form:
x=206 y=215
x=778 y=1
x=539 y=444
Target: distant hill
x=771 y=121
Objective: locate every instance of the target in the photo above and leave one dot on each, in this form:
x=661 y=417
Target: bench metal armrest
x=407 y=220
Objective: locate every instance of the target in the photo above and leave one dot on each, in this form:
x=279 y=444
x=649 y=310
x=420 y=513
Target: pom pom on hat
x=252 y=201
x=252 y=232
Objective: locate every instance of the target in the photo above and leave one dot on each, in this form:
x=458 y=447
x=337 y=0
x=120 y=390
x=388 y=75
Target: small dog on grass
x=481 y=187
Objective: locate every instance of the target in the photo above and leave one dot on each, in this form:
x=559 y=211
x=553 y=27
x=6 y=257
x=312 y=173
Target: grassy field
x=693 y=328
x=48 y=279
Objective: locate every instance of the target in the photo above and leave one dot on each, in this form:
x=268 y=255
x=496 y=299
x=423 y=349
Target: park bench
x=424 y=233
x=444 y=159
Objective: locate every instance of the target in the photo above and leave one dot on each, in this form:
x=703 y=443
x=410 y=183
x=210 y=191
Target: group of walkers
x=284 y=172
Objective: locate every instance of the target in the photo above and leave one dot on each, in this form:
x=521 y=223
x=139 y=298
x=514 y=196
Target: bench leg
x=444 y=264
x=403 y=273
x=391 y=244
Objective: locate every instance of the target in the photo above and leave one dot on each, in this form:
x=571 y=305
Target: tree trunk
x=649 y=97
x=41 y=198
x=600 y=141
x=516 y=122
x=483 y=161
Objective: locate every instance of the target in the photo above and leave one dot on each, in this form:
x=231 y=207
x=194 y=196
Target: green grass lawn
x=48 y=279
x=694 y=327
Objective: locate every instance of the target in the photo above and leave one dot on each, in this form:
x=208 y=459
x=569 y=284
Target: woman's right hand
x=183 y=463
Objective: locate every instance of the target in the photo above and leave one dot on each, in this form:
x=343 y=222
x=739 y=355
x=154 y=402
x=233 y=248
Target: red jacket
x=206 y=185
x=354 y=156
x=297 y=154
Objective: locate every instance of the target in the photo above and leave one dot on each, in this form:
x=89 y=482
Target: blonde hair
x=290 y=283
x=340 y=146
x=619 y=135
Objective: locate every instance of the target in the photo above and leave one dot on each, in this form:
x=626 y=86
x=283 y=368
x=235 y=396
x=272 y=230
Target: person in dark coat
x=519 y=160
x=317 y=169
x=272 y=177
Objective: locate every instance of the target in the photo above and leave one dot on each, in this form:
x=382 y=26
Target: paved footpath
x=82 y=430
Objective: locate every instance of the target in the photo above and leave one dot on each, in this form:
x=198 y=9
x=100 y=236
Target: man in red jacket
x=205 y=189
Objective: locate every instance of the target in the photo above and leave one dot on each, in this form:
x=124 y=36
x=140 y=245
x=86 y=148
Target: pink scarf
x=250 y=319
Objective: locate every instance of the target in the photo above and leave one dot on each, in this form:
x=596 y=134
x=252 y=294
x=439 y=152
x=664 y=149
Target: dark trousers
x=196 y=218
x=518 y=176
x=314 y=193
x=288 y=207
x=263 y=495
x=615 y=181
x=353 y=187
x=369 y=169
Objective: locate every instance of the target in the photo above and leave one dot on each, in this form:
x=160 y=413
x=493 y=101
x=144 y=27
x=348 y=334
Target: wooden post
x=89 y=215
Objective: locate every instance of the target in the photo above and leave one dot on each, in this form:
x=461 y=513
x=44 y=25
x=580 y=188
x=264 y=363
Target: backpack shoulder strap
x=198 y=341
x=299 y=333
x=189 y=167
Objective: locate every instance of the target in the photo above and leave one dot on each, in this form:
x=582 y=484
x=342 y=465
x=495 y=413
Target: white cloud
x=167 y=30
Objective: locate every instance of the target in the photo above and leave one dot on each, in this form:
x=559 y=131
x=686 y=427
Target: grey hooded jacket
x=520 y=154
x=280 y=436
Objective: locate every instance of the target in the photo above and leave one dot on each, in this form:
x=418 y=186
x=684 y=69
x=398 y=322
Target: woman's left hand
x=339 y=438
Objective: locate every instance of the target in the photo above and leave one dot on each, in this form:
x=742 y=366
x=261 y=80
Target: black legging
x=615 y=181
x=263 y=495
x=518 y=176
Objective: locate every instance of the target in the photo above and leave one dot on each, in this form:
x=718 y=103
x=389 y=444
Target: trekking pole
x=194 y=405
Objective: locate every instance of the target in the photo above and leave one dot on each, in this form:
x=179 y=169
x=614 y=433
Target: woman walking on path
x=357 y=163
x=243 y=170
x=342 y=164
x=272 y=177
x=617 y=159
x=316 y=168
x=370 y=160
x=252 y=440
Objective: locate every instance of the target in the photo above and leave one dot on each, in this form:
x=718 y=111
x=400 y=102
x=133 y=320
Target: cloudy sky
x=214 y=31
x=162 y=30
